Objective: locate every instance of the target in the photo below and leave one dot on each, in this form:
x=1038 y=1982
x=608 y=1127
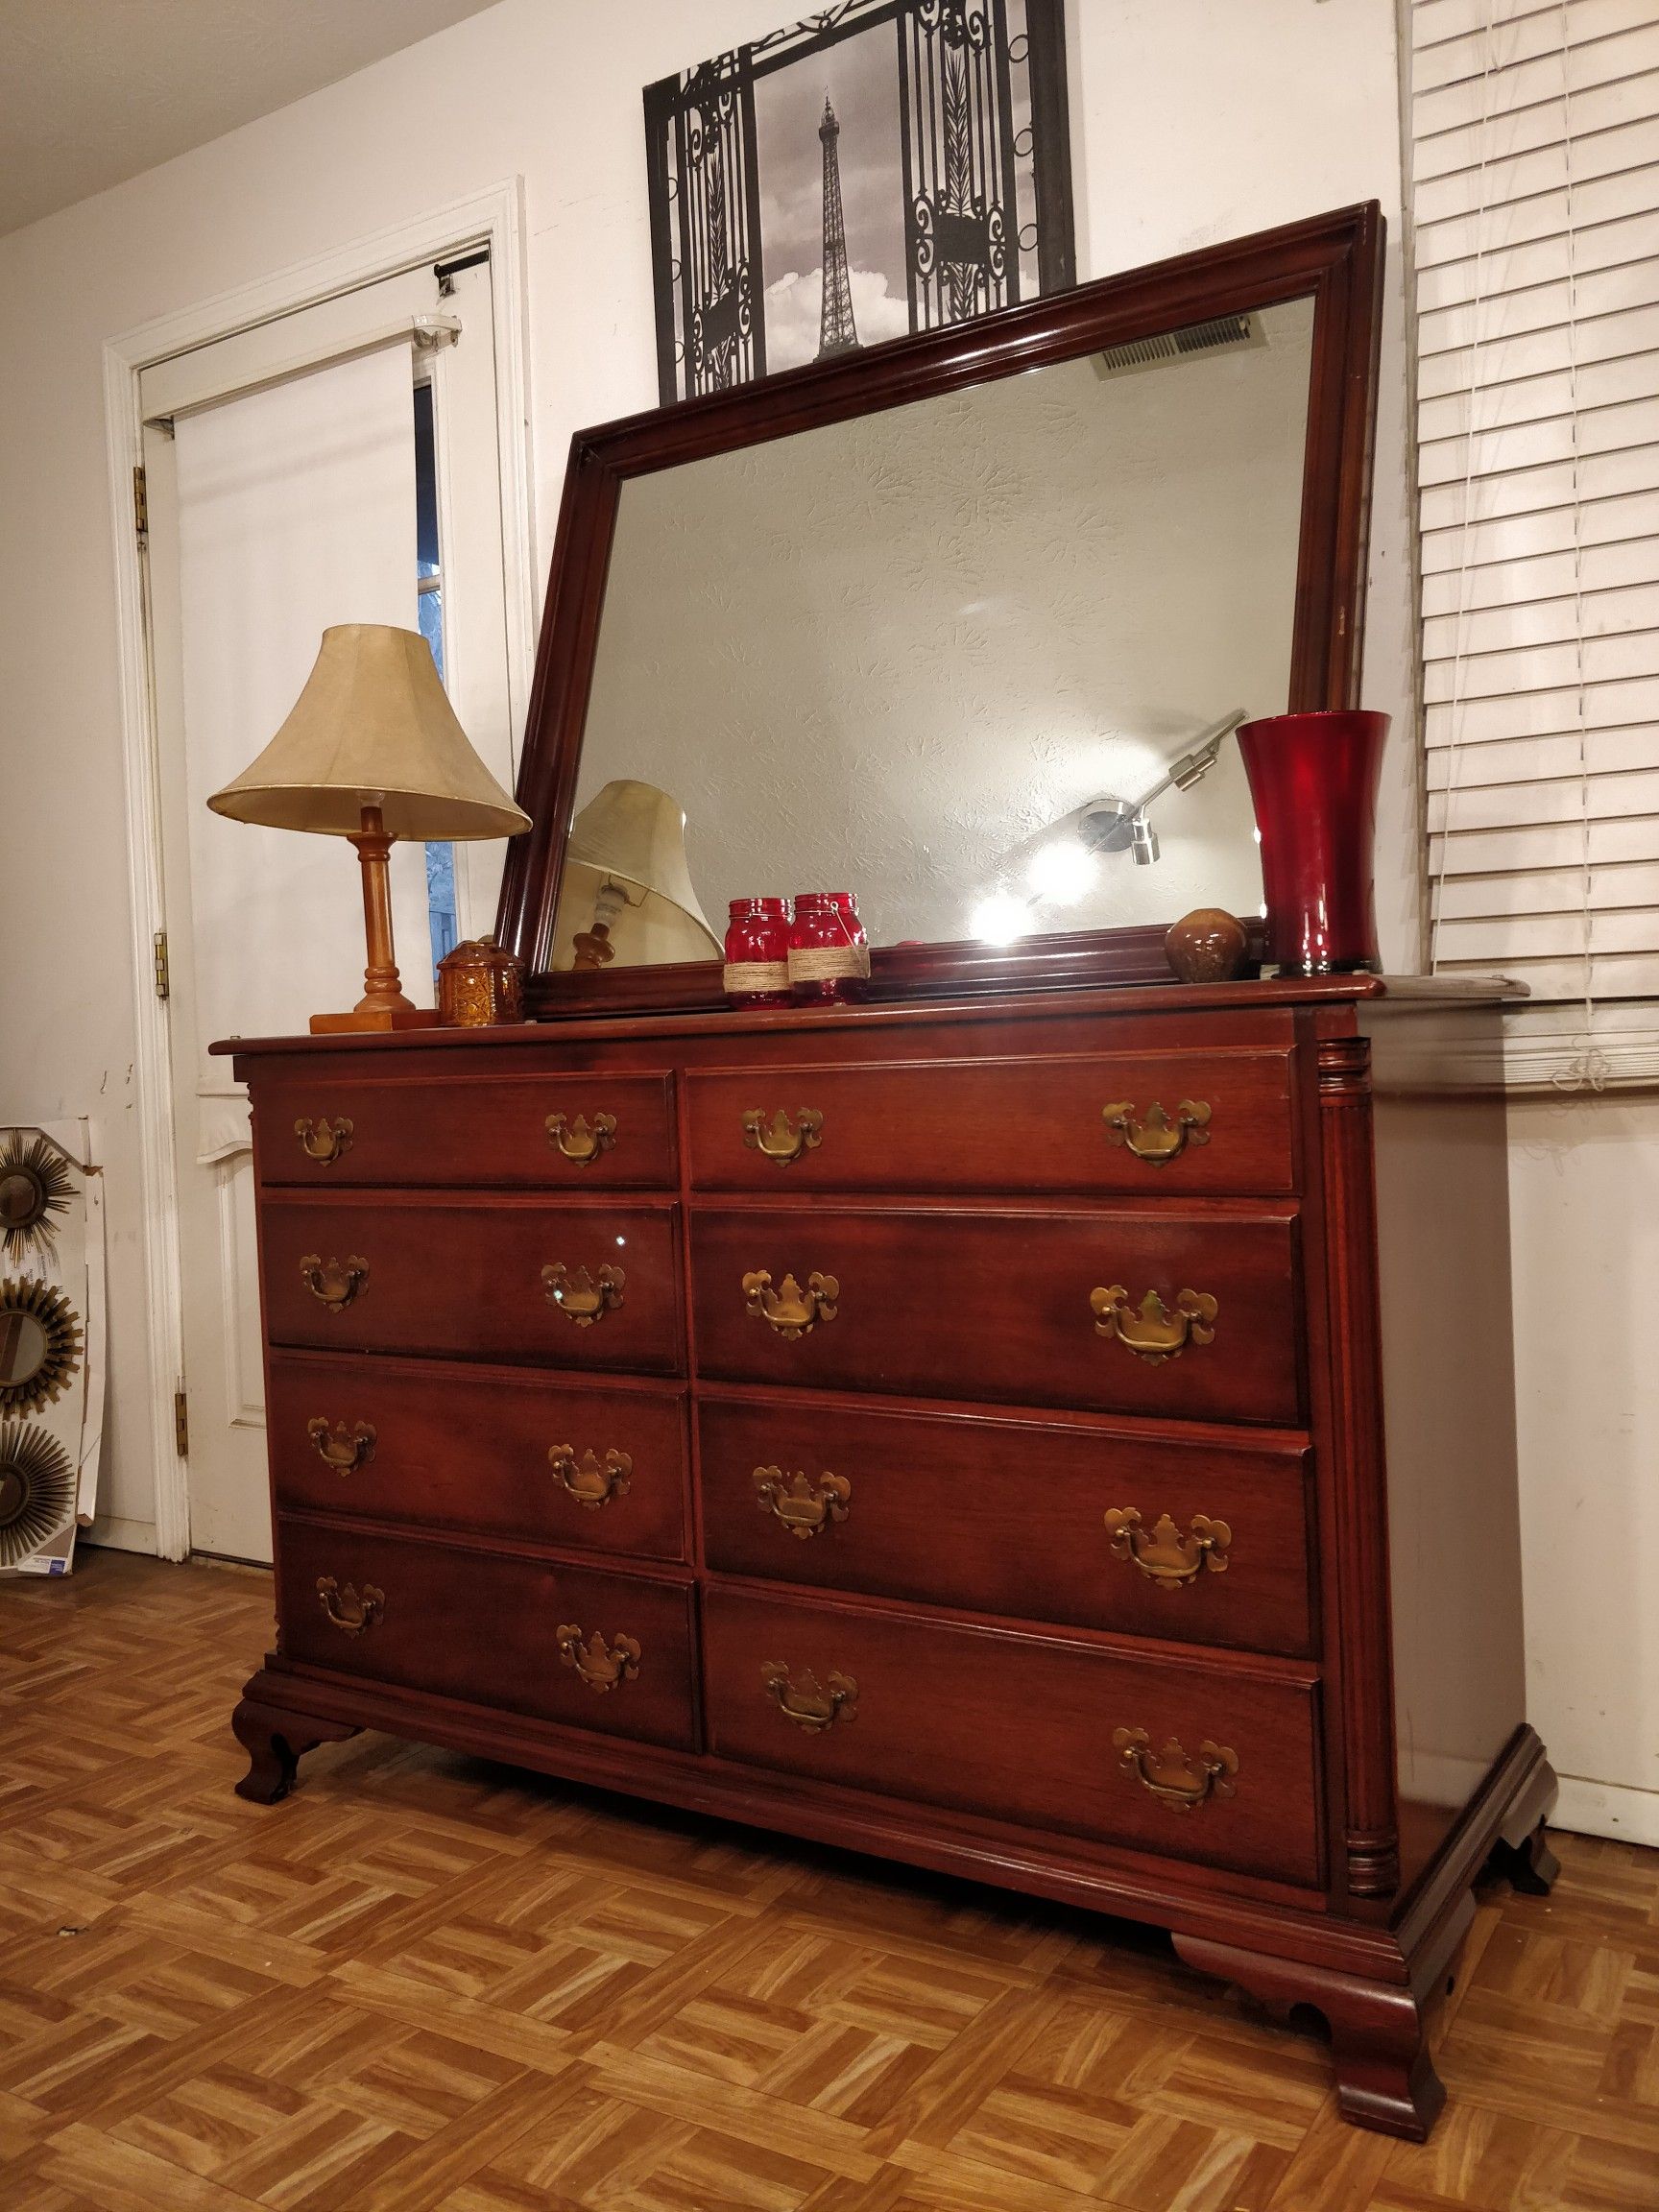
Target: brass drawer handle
x=343 y=1448
x=800 y=1505
x=1169 y=1556
x=1150 y=1330
x=582 y=1297
x=1155 y=1138
x=591 y=1480
x=355 y=1612
x=581 y=1140
x=323 y=1142
x=789 y=1309
x=812 y=1705
x=781 y=1141
x=601 y=1666
x=331 y=1284
x=1181 y=1783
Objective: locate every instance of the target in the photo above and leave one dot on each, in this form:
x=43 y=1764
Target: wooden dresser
x=950 y=1431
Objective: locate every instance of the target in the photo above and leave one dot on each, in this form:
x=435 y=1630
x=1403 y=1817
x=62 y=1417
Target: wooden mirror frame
x=1335 y=258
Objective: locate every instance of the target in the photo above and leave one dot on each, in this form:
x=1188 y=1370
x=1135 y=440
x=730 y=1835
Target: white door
x=338 y=465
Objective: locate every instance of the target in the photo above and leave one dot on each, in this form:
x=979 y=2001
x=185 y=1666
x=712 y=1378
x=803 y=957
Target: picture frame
x=881 y=168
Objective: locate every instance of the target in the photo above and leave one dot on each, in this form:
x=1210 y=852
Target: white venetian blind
x=1535 y=139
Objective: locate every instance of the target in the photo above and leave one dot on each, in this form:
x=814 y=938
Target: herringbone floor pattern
x=428 y=1984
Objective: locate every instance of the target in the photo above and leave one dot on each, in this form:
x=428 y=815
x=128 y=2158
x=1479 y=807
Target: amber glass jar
x=757 y=952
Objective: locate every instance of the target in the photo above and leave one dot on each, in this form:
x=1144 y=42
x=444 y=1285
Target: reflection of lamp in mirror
x=627 y=893
x=1059 y=865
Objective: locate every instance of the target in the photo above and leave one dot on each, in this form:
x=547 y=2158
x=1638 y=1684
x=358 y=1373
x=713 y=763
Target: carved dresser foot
x=1385 y=2077
x=275 y=1743
x=1529 y=1865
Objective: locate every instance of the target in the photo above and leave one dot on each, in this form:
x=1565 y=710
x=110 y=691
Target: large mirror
x=971 y=649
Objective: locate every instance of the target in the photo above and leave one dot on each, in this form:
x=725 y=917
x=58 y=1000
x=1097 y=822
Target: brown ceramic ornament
x=480 y=985
x=1207 y=946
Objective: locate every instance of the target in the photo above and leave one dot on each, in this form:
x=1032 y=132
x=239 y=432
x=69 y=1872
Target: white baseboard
x=117 y=1535
x=1607 y=1808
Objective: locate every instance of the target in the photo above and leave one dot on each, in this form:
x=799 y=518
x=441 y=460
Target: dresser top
x=1394 y=994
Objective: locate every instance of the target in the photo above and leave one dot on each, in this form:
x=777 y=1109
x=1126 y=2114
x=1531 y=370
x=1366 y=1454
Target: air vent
x=1225 y=330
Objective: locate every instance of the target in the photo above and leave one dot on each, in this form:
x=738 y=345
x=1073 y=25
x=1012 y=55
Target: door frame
x=493 y=218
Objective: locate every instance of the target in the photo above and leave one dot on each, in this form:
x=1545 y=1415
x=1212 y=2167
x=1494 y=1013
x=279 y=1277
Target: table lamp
x=626 y=892
x=372 y=752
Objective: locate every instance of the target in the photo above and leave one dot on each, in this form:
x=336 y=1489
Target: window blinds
x=1536 y=142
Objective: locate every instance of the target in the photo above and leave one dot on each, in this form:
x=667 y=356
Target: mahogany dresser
x=956 y=1433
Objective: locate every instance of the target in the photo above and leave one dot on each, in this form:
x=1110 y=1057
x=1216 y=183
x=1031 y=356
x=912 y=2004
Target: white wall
x=1584 y=1211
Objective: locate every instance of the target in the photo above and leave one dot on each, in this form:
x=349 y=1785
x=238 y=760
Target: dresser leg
x=1385 y=2078
x=1530 y=1866
x=275 y=1743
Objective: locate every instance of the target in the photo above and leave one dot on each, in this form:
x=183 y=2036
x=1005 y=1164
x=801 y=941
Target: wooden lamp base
x=382 y=1005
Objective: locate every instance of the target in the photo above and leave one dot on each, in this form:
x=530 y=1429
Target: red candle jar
x=1313 y=782
x=827 y=963
x=757 y=952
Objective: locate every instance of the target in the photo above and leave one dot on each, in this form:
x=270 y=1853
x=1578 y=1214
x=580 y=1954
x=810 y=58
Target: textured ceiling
x=93 y=91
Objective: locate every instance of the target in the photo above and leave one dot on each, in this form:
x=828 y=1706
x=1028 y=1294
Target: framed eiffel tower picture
x=884 y=166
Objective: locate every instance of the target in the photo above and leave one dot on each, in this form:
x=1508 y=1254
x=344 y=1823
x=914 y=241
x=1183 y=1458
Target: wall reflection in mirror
x=970 y=659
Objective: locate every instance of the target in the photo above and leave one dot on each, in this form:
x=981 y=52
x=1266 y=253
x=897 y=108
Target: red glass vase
x=1313 y=782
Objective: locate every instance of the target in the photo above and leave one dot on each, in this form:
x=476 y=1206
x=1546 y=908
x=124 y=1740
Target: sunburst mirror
x=37 y=1489
x=37 y=1189
x=40 y=1344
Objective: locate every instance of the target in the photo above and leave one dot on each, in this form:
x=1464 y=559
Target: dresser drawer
x=999 y=1303
x=1021 y=1728
x=1153 y=1122
x=564 y=1284
x=1011 y=1517
x=581 y=1132
x=546 y=1463
x=566 y=1643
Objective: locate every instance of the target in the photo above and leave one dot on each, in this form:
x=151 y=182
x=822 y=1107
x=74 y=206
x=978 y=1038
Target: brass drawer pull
x=591 y=1480
x=1155 y=1138
x=601 y=1666
x=781 y=1141
x=581 y=1140
x=582 y=1297
x=808 y=1703
x=1168 y=1556
x=800 y=1505
x=789 y=1309
x=356 y=1613
x=343 y=1448
x=1150 y=1330
x=1181 y=1783
x=323 y=1142
x=331 y=1284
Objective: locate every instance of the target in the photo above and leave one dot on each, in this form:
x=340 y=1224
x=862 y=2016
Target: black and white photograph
x=884 y=167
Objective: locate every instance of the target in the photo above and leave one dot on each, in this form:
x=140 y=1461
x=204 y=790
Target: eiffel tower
x=835 y=331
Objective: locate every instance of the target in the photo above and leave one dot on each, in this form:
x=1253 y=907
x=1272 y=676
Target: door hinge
x=163 y=973
x=140 y=502
x=181 y=1424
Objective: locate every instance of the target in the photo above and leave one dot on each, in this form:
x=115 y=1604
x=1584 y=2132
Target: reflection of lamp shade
x=625 y=866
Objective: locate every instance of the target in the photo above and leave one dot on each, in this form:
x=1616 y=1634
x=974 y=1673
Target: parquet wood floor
x=428 y=1984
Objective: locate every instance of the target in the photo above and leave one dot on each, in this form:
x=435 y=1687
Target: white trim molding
x=495 y=219
x=1607 y=1808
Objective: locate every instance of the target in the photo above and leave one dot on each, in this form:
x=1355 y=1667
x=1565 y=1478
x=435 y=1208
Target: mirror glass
x=916 y=655
x=23 y=1348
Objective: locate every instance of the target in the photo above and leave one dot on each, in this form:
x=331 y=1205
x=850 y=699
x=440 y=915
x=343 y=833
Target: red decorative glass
x=1313 y=782
x=827 y=962
x=757 y=952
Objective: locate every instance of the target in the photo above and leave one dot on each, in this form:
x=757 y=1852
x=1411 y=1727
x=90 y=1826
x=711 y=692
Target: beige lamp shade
x=373 y=728
x=625 y=865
